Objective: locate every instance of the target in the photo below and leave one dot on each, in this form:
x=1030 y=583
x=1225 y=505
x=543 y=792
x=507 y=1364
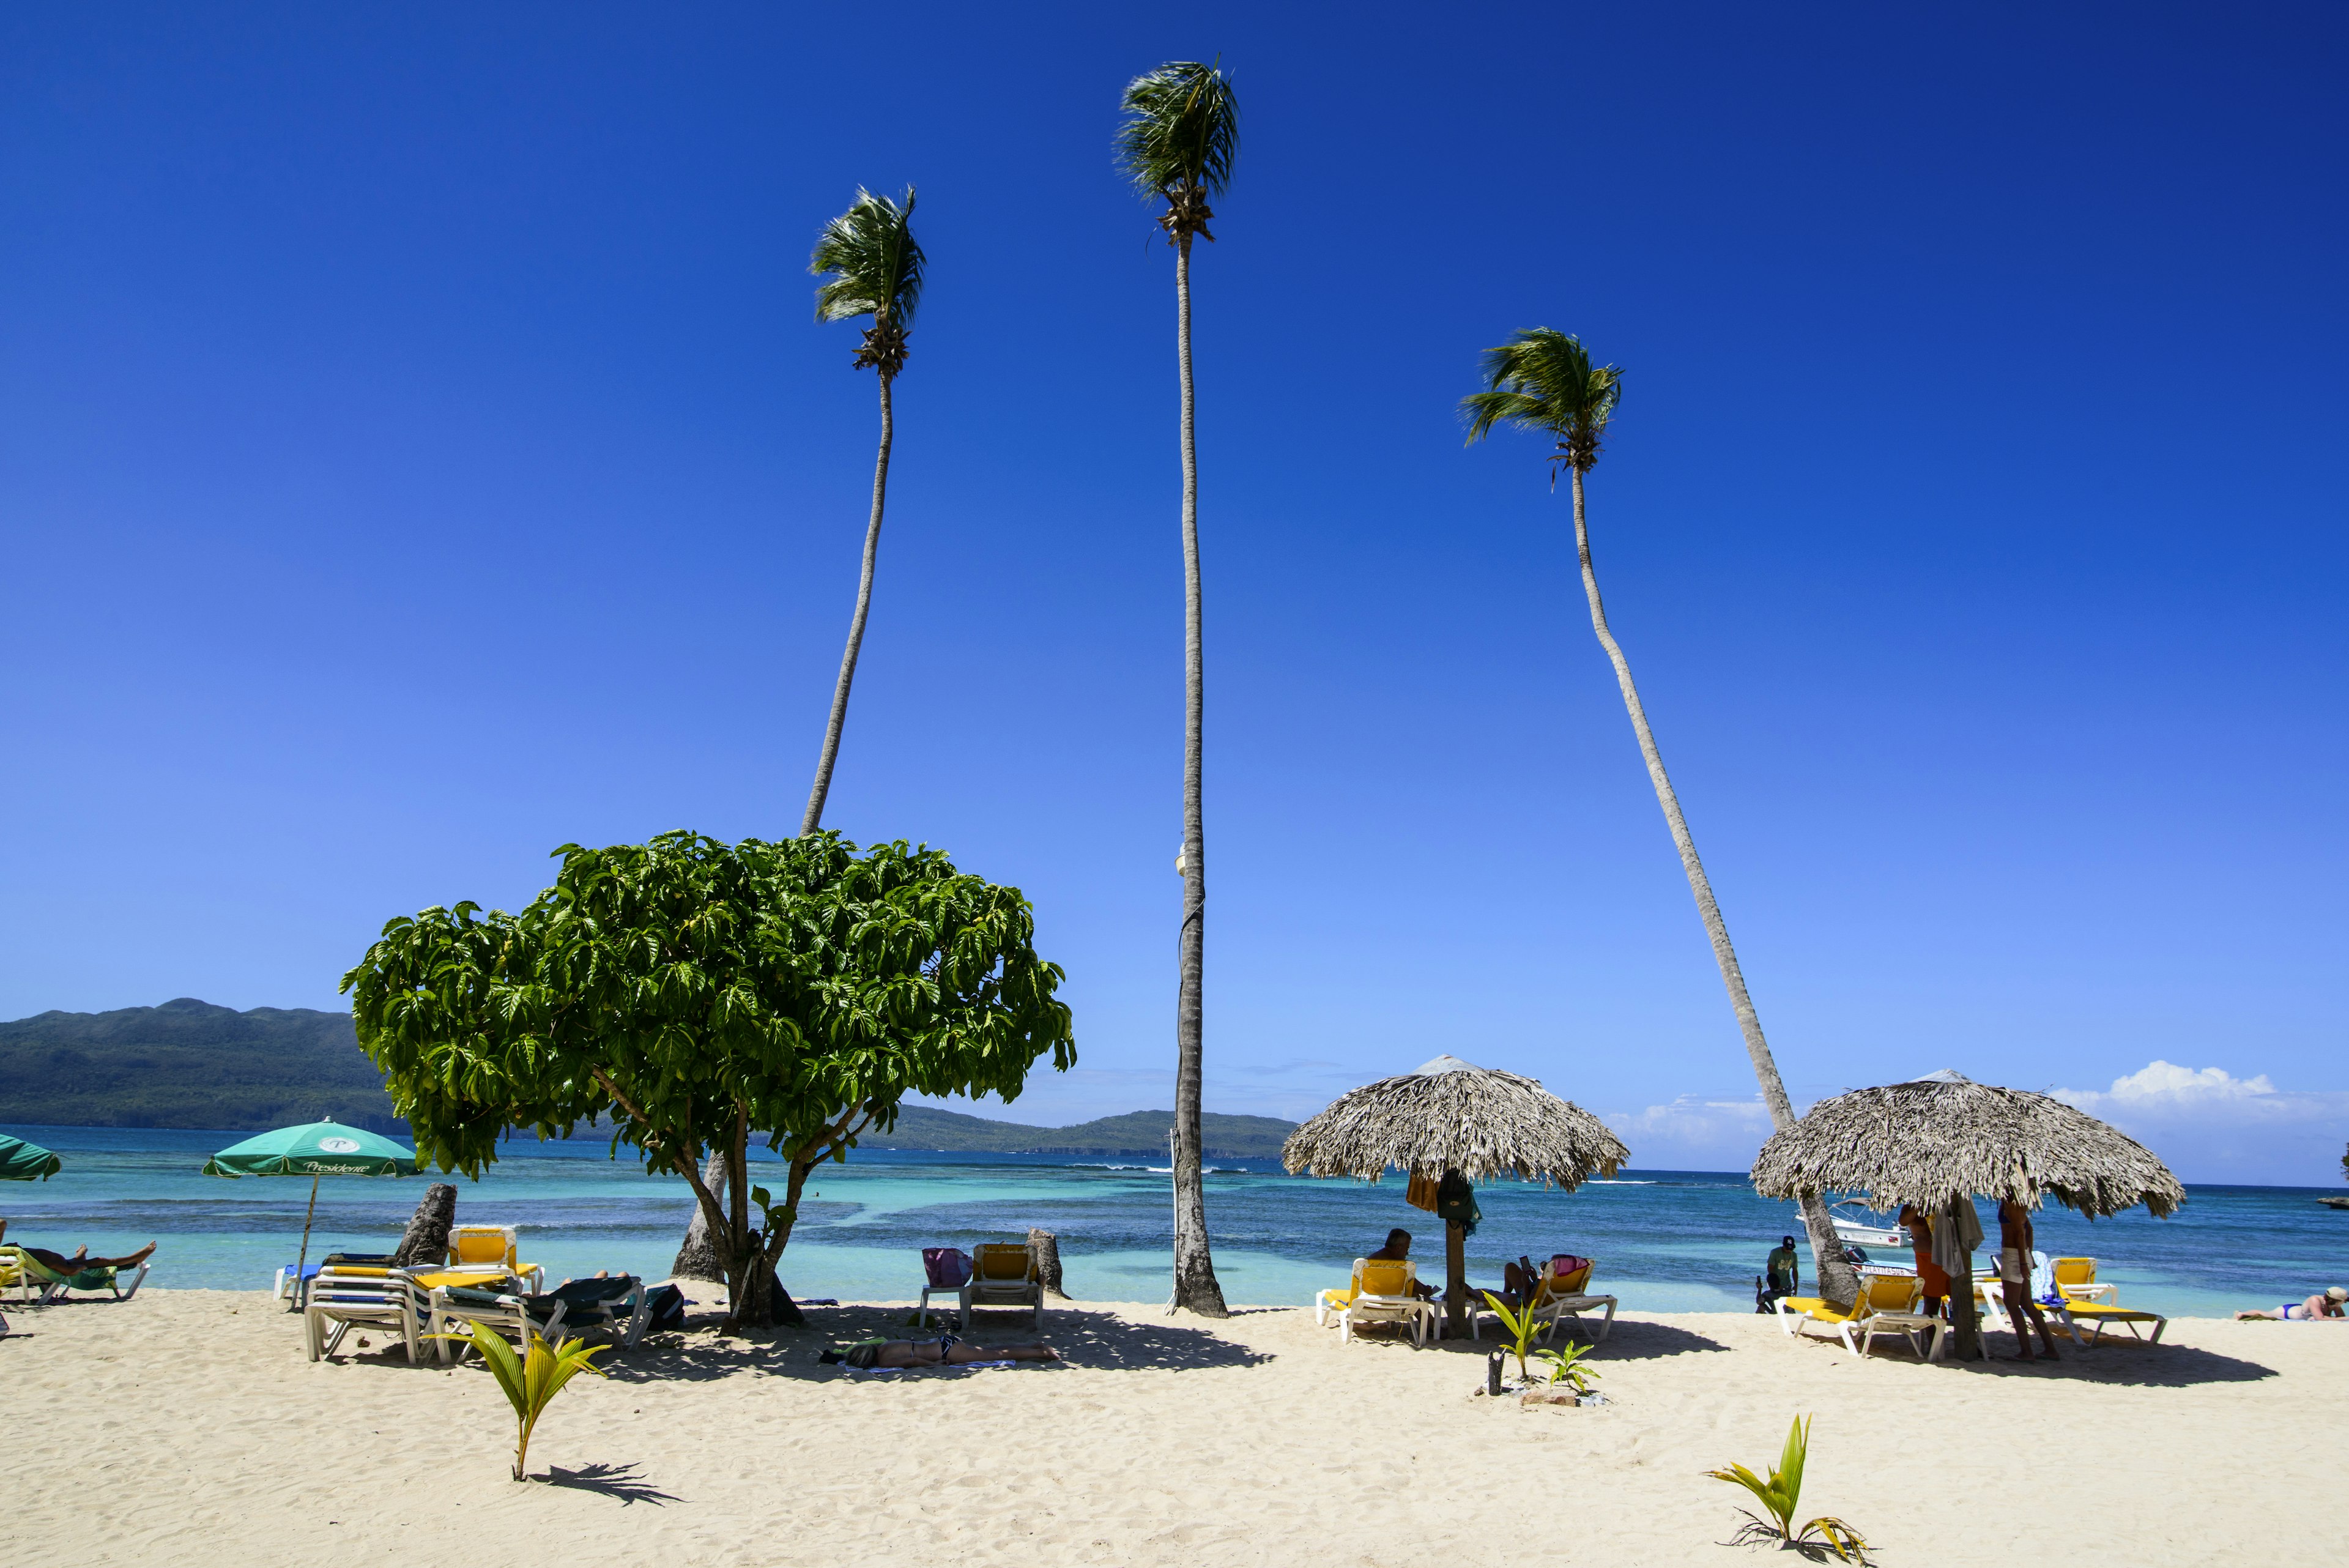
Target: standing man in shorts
x=2014 y=1279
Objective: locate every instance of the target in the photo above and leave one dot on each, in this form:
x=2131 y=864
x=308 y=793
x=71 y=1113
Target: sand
x=187 y=1426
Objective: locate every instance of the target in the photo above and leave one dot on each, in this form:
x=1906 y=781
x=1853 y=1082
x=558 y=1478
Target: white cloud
x=2164 y=1084
x=2208 y=1124
x=1693 y=1132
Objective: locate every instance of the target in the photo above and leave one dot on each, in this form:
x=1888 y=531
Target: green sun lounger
x=28 y=1274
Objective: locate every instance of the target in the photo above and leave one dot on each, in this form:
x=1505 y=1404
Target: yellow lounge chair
x=1383 y=1291
x=2076 y=1281
x=490 y=1251
x=1003 y=1273
x=1797 y=1313
x=1892 y=1309
x=2097 y=1315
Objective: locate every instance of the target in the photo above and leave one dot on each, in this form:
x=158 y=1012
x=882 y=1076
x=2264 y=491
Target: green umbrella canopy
x=321 y=1149
x=22 y=1161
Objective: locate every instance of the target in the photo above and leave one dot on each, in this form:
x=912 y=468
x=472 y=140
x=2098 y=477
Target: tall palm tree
x=870 y=267
x=1180 y=137
x=1543 y=381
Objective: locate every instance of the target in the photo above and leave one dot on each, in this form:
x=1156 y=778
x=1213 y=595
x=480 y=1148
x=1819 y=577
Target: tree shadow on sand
x=1628 y=1340
x=621 y=1481
x=1092 y=1339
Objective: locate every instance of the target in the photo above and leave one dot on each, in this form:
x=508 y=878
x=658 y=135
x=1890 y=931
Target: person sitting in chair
x=1398 y=1251
x=58 y=1264
x=1784 y=1276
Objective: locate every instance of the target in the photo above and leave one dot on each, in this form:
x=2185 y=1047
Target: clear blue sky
x=416 y=451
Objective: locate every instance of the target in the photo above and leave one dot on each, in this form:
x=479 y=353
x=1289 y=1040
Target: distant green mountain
x=1137 y=1133
x=189 y=1063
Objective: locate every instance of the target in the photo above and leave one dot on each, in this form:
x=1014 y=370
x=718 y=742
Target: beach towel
x=1563 y=1264
x=948 y=1267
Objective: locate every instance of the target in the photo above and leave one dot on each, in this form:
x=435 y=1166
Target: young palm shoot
x=1520 y=1326
x=1543 y=381
x=1178 y=142
x=870 y=267
x=531 y=1380
x=1567 y=1367
x=1781 y=1495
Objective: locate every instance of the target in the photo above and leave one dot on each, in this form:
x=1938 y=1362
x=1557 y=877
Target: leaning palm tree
x=870 y=267
x=1543 y=381
x=1180 y=136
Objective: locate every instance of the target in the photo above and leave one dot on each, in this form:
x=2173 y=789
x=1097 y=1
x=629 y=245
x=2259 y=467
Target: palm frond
x=1182 y=129
x=1542 y=379
x=869 y=261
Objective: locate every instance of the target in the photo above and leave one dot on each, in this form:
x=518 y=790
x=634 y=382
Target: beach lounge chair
x=1892 y=1301
x=2099 y=1315
x=1799 y=1313
x=615 y=1305
x=2076 y=1281
x=1566 y=1294
x=341 y=1298
x=1003 y=1273
x=1382 y=1292
x=30 y=1275
x=491 y=1249
x=944 y=1272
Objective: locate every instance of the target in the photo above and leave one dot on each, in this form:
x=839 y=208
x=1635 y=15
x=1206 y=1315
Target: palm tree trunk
x=1837 y=1280
x=1195 y=1269
x=814 y=818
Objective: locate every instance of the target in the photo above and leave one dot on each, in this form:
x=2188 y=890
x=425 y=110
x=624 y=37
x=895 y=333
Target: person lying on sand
x=2333 y=1305
x=947 y=1350
x=56 y=1264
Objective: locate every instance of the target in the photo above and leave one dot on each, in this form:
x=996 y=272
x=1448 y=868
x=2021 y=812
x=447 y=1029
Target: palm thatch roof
x=1452 y=1116
x=1943 y=1137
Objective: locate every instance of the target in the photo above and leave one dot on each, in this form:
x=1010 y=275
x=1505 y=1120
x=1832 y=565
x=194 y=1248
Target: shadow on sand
x=1083 y=1338
x=620 y=1482
x=1628 y=1340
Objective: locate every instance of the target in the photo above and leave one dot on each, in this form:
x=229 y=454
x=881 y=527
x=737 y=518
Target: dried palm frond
x=1452 y=1116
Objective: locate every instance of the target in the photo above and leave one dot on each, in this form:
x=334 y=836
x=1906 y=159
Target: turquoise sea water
x=1665 y=1241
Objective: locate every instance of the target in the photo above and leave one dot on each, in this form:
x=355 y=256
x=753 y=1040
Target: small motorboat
x=1856 y=1226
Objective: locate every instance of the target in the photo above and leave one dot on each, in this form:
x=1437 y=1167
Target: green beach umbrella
x=22 y=1161
x=320 y=1149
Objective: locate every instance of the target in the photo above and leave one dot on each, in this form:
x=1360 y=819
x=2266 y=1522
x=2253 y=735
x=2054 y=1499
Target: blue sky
x=416 y=451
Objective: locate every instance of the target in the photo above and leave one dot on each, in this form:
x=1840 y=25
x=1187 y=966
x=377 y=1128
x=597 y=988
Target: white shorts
x=2013 y=1268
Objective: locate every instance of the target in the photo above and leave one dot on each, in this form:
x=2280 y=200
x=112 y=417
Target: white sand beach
x=186 y=1426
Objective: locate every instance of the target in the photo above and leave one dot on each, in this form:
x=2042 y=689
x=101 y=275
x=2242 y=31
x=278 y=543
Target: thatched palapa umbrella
x=1451 y=1117
x=1937 y=1141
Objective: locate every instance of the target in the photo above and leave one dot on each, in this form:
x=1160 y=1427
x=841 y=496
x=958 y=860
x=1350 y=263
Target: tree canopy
x=1542 y=379
x=869 y=264
x=1180 y=139
x=692 y=993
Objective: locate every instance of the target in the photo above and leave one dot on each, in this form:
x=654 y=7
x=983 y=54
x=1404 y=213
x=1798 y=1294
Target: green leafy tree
x=1177 y=144
x=870 y=267
x=1543 y=381
x=694 y=994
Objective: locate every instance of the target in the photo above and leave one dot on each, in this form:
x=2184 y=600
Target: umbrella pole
x=1965 y=1325
x=300 y=1293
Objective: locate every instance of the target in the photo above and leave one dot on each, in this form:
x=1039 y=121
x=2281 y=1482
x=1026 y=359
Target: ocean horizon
x=1665 y=1241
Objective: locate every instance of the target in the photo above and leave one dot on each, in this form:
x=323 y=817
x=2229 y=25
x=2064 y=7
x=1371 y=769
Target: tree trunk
x=1455 y=1280
x=1965 y=1322
x=427 y=1237
x=697 y=1259
x=1837 y=1281
x=814 y=818
x=1048 y=1261
x=1195 y=1269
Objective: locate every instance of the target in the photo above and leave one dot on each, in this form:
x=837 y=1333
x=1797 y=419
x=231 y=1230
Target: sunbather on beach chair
x=2325 y=1307
x=947 y=1350
x=52 y=1274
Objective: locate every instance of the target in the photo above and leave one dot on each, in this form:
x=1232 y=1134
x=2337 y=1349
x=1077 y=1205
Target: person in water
x=2330 y=1306
x=1398 y=1251
x=1931 y=1278
x=2014 y=1280
x=947 y=1350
